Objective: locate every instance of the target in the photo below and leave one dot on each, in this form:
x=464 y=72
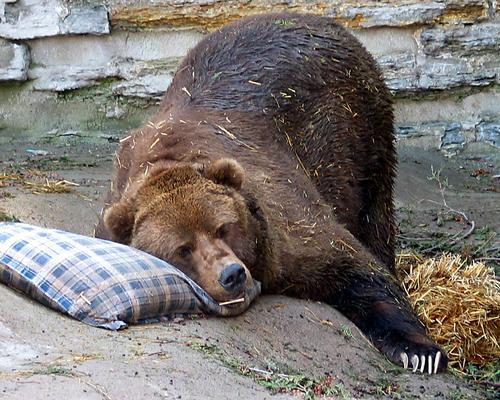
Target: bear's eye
x=184 y=251
x=222 y=231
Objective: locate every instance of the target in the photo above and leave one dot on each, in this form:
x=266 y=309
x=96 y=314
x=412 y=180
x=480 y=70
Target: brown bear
x=272 y=157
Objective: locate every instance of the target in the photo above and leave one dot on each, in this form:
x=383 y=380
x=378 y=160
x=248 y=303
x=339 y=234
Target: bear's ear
x=119 y=220
x=226 y=171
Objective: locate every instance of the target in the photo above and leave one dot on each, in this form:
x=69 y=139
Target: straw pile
x=459 y=303
x=41 y=183
x=50 y=186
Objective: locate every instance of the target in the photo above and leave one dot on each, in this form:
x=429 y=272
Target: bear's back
x=321 y=97
x=267 y=63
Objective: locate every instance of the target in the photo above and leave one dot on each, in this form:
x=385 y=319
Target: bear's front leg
x=349 y=278
x=379 y=307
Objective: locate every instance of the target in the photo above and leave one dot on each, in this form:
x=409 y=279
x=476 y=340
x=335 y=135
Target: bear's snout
x=233 y=278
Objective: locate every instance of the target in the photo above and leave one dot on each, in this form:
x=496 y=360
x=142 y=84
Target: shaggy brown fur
x=274 y=149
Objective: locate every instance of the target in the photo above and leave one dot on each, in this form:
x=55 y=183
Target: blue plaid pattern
x=98 y=282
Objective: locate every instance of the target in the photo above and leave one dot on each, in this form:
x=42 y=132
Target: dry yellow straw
x=458 y=302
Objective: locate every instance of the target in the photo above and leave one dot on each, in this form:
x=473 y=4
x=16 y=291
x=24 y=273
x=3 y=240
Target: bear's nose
x=233 y=277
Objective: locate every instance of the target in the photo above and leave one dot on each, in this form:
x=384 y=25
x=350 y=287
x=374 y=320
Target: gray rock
x=384 y=41
x=83 y=20
x=28 y=20
x=141 y=63
x=2 y=8
x=405 y=72
x=399 y=70
x=453 y=138
x=64 y=77
x=134 y=78
x=395 y=14
x=404 y=131
x=14 y=61
x=116 y=112
x=444 y=73
x=453 y=135
x=209 y=14
x=148 y=86
x=489 y=132
x=462 y=40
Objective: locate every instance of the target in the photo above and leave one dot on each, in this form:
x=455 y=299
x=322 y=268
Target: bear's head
x=196 y=218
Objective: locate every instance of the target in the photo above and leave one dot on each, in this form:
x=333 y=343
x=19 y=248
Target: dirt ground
x=280 y=348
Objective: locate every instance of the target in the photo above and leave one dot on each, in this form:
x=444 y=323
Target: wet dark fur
x=339 y=119
x=313 y=129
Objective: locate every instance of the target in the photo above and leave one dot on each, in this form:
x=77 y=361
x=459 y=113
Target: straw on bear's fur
x=458 y=302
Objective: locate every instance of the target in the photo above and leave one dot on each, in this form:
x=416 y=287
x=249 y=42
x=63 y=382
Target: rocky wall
x=99 y=66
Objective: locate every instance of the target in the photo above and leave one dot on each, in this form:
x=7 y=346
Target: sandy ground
x=45 y=355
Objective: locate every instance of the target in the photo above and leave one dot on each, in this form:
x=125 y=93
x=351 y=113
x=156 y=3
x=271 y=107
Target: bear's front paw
x=430 y=363
x=415 y=351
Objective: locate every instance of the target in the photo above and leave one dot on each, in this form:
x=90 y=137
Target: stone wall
x=98 y=67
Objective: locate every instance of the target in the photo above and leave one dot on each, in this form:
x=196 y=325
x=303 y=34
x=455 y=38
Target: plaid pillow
x=98 y=282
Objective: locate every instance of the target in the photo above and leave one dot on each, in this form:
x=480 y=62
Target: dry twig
x=436 y=175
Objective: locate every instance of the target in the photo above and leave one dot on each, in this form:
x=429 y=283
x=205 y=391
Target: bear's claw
x=417 y=362
x=404 y=359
